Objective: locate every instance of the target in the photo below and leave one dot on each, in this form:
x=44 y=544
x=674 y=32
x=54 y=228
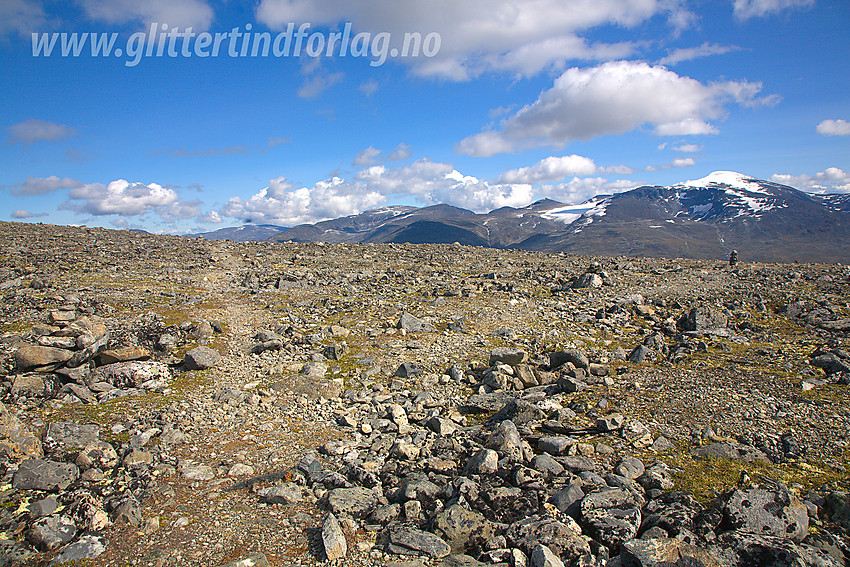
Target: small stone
x=485 y=461
x=509 y=356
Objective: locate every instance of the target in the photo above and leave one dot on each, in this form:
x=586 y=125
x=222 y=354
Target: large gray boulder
x=767 y=512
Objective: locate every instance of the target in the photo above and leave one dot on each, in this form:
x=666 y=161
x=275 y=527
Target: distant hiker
x=733 y=258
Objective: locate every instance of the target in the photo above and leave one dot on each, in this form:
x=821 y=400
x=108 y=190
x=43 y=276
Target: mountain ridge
x=702 y=218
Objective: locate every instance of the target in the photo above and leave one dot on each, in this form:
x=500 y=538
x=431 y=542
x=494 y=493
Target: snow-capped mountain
x=701 y=218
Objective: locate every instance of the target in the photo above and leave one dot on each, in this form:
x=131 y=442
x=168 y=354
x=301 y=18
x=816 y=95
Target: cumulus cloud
x=33 y=130
x=834 y=128
x=746 y=9
x=831 y=180
x=20 y=16
x=497 y=35
x=176 y=13
x=550 y=169
x=120 y=197
x=42 y=185
x=614 y=98
x=22 y=214
x=427 y=181
x=707 y=49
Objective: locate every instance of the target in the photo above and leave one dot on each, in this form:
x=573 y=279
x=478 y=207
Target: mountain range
x=704 y=218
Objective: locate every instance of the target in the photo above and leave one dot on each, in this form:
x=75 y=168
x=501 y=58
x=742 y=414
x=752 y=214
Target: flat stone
x=509 y=356
x=732 y=451
x=32 y=356
x=555 y=445
x=124 y=354
x=357 y=502
x=38 y=474
x=412 y=541
x=67 y=435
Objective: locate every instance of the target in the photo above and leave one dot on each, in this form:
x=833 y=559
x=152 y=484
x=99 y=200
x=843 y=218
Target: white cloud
x=834 y=128
x=368 y=87
x=427 y=181
x=745 y=9
x=689 y=53
x=550 y=169
x=580 y=189
x=120 y=197
x=42 y=185
x=497 y=35
x=367 y=156
x=176 y=13
x=316 y=84
x=676 y=163
x=33 y=130
x=400 y=153
x=831 y=180
x=688 y=148
x=613 y=98
x=211 y=217
x=22 y=214
x=21 y=16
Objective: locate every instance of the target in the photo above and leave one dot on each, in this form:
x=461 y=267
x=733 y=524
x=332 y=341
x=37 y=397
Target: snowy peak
x=729 y=179
x=726 y=195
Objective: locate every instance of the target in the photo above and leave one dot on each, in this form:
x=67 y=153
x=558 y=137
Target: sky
x=178 y=116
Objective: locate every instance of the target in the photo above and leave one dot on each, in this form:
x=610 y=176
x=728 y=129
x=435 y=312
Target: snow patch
x=570 y=213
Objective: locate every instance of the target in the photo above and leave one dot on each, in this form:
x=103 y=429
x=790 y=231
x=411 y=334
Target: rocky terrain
x=173 y=401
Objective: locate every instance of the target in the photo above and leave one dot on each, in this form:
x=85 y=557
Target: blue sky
x=510 y=101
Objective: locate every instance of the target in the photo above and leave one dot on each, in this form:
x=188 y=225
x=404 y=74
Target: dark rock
x=507 y=441
x=563 y=539
x=577 y=357
x=200 y=358
x=65 y=435
x=409 y=370
x=703 y=319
